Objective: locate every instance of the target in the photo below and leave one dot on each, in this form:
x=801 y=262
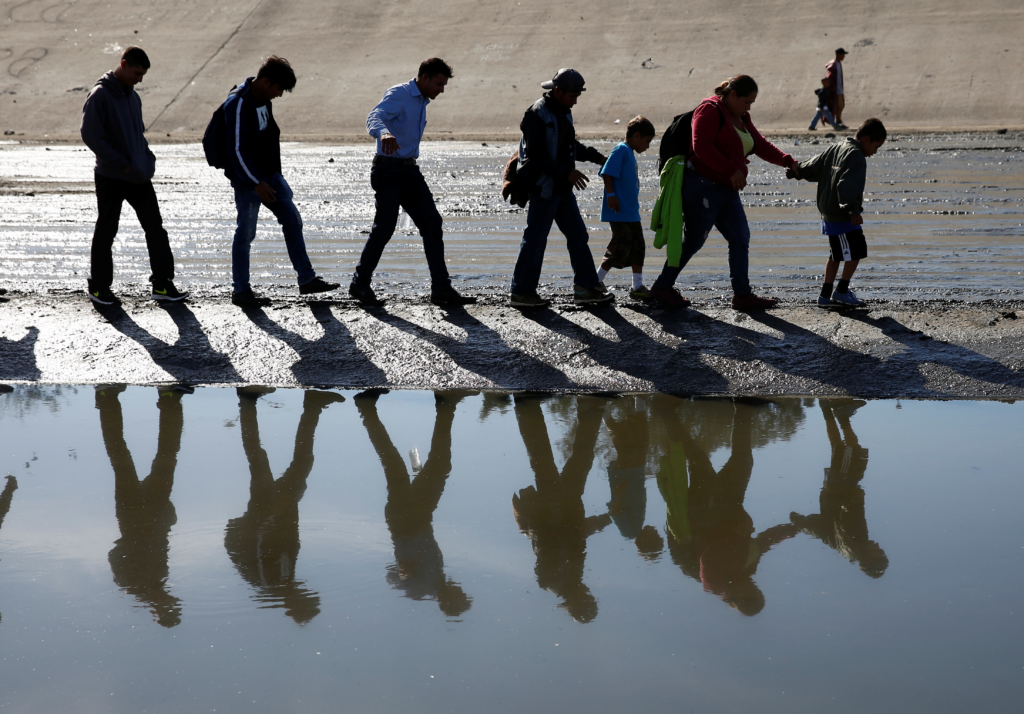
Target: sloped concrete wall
x=917 y=64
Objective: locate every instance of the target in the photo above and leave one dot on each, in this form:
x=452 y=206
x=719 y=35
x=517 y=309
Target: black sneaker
x=166 y=292
x=316 y=285
x=450 y=296
x=591 y=296
x=247 y=298
x=365 y=295
x=103 y=296
x=533 y=300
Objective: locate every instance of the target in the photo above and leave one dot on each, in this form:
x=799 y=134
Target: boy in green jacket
x=840 y=172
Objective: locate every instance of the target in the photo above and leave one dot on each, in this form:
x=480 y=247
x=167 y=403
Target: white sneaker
x=847 y=299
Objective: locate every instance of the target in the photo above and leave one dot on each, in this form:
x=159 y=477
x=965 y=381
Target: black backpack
x=678 y=138
x=215 y=139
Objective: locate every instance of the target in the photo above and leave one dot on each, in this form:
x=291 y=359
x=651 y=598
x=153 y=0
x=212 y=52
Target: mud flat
x=934 y=349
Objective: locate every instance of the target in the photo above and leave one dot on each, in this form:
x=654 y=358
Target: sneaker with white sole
x=640 y=293
x=166 y=292
x=847 y=299
x=103 y=296
x=824 y=301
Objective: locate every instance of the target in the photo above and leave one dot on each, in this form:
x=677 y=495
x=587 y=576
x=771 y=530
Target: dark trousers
x=563 y=211
x=110 y=196
x=399 y=184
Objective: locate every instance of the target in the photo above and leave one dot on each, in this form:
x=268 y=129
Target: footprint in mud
x=29 y=58
x=39 y=11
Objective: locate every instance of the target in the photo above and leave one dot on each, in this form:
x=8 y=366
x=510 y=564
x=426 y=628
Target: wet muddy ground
x=317 y=551
x=943 y=282
x=945 y=219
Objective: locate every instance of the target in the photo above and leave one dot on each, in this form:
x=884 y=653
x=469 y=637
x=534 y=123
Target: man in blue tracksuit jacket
x=254 y=169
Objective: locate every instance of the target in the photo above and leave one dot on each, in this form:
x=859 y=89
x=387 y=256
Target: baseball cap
x=566 y=79
x=841 y=51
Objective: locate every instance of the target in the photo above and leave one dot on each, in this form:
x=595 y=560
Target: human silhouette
x=143 y=507
x=5 y=498
x=710 y=534
x=418 y=570
x=627 y=424
x=263 y=543
x=552 y=513
x=842 y=525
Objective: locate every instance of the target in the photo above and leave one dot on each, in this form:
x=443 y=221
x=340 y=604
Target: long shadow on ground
x=333 y=358
x=479 y=354
x=191 y=358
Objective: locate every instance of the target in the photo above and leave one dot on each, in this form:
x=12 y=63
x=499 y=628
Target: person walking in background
x=621 y=207
x=112 y=128
x=254 y=169
x=840 y=172
x=835 y=77
x=723 y=137
x=547 y=163
x=824 y=94
x=397 y=123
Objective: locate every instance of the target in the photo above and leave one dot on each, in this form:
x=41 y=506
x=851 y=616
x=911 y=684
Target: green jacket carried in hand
x=667 y=217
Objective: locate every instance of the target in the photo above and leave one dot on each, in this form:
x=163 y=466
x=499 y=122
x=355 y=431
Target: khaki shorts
x=627 y=245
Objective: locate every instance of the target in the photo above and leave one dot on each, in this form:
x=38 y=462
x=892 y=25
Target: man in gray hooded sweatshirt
x=112 y=127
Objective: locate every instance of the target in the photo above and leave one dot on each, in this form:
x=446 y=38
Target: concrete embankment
x=933 y=349
x=935 y=64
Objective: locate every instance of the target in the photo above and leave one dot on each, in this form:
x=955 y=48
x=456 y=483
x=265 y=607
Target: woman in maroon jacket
x=723 y=137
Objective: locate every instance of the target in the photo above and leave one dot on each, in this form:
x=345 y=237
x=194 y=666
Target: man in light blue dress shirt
x=397 y=123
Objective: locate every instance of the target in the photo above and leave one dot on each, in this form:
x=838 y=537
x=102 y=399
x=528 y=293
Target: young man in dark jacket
x=547 y=163
x=840 y=172
x=112 y=127
x=254 y=169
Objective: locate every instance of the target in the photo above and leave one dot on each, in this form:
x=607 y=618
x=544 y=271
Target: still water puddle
x=456 y=551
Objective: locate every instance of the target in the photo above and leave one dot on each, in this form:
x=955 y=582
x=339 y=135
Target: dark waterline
x=299 y=550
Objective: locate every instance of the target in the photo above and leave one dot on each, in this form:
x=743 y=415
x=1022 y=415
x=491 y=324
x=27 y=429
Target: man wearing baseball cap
x=547 y=164
x=835 y=73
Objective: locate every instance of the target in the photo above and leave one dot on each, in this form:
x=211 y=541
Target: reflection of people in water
x=552 y=513
x=841 y=525
x=627 y=424
x=264 y=542
x=5 y=498
x=710 y=534
x=418 y=570
x=144 y=510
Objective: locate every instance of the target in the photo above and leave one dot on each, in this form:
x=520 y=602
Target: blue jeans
x=707 y=205
x=248 y=204
x=563 y=211
x=823 y=112
x=397 y=184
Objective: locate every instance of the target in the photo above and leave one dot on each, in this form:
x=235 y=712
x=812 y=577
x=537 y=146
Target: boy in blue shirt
x=621 y=207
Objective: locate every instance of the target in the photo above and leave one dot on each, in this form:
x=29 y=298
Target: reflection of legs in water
x=627 y=476
x=5 y=498
x=842 y=524
x=552 y=513
x=418 y=570
x=264 y=543
x=144 y=510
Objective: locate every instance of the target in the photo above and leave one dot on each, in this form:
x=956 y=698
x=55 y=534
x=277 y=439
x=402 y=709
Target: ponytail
x=744 y=85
